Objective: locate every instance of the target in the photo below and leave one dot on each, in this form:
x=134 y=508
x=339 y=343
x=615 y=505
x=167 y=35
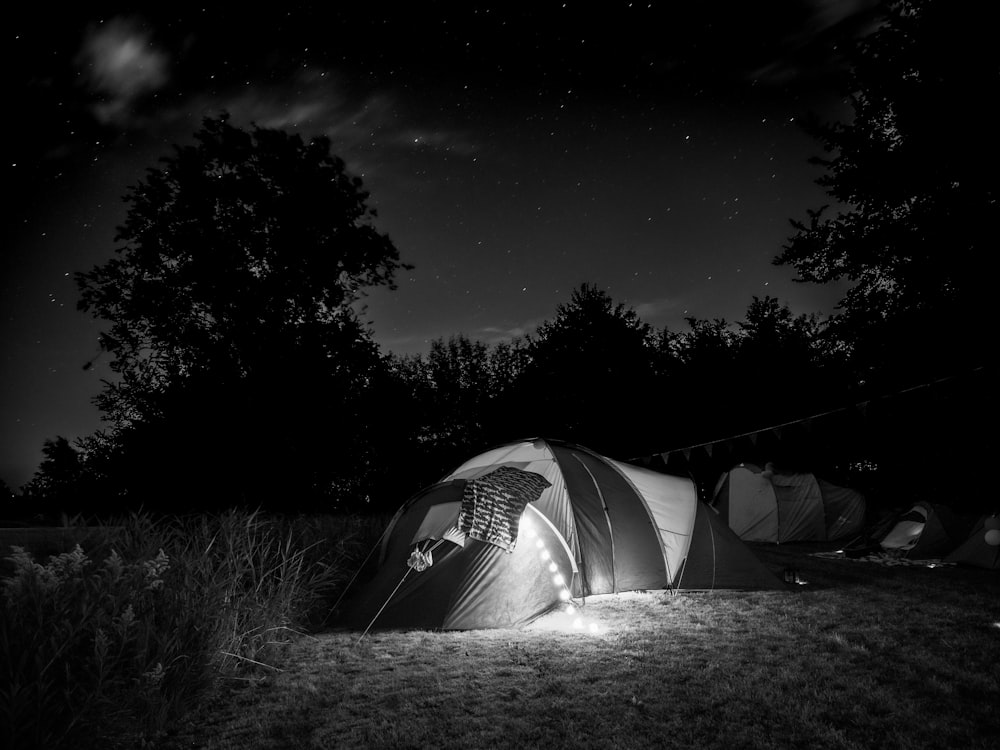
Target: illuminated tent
x=766 y=506
x=587 y=525
x=925 y=531
x=982 y=548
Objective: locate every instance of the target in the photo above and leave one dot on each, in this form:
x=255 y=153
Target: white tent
x=460 y=554
x=762 y=505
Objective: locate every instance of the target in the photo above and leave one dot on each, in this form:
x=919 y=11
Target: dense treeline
x=244 y=375
x=595 y=374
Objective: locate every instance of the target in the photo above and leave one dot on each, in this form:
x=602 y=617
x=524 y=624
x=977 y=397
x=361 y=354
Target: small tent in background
x=982 y=548
x=926 y=530
x=766 y=506
x=573 y=524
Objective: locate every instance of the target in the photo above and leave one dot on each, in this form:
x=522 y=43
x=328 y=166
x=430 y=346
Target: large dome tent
x=584 y=524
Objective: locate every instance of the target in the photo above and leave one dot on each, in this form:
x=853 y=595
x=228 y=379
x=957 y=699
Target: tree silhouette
x=914 y=171
x=243 y=371
x=589 y=376
x=62 y=482
x=456 y=391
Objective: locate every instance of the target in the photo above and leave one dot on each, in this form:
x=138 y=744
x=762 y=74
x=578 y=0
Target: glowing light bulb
x=540 y=544
x=545 y=554
x=558 y=580
x=564 y=595
x=553 y=567
x=570 y=609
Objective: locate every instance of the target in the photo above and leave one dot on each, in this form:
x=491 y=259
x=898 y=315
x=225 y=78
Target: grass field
x=859 y=656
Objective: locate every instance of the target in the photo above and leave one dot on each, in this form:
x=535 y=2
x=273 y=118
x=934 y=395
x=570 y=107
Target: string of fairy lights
x=577 y=621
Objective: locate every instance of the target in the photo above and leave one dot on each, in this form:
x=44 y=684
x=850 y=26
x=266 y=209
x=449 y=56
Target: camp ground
x=531 y=526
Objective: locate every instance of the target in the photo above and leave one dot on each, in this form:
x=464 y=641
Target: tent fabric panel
x=975 y=551
x=519 y=454
x=672 y=502
x=596 y=557
x=933 y=541
x=722 y=497
x=406 y=522
x=505 y=590
x=903 y=536
x=438 y=522
x=532 y=516
x=638 y=555
x=800 y=508
x=843 y=509
x=429 y=604
x=555 y=505
x=753 y=507
x=910 y=527
x=718 y=558
x=422 y=601
x=480 y=586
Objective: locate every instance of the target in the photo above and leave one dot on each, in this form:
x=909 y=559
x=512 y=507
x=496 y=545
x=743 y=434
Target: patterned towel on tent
x=492 y=504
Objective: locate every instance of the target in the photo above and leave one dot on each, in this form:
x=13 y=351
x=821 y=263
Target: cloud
x=498 y=334
x=655 y=310
x=120 y=66
x=440 y=140
x=493 y=334
x=812 y=50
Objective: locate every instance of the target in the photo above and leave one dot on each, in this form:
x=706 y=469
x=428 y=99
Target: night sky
x=653 y=149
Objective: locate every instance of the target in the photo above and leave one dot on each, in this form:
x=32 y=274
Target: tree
x=238 y=352
x=61 y=482
x=788 y=365
x=456 y=391
x=589 y=376
x=915 y=173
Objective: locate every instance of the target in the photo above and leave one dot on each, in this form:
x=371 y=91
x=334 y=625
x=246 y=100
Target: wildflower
x=126 y=618
x=155 y=675
x=154 y=570
x=68 y=563
x=114 y=566
x=25 y=569
x=101 y=643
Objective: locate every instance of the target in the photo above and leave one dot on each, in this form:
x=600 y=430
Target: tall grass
x=107 y=645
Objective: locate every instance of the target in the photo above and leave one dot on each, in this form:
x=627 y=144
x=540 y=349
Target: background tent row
x=465 y=553
x=931 y=530
x=762 y=505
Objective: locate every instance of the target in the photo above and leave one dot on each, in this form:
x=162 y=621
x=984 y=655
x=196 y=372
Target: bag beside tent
x=982 y=548
x=766 y=506
x=596 y=526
